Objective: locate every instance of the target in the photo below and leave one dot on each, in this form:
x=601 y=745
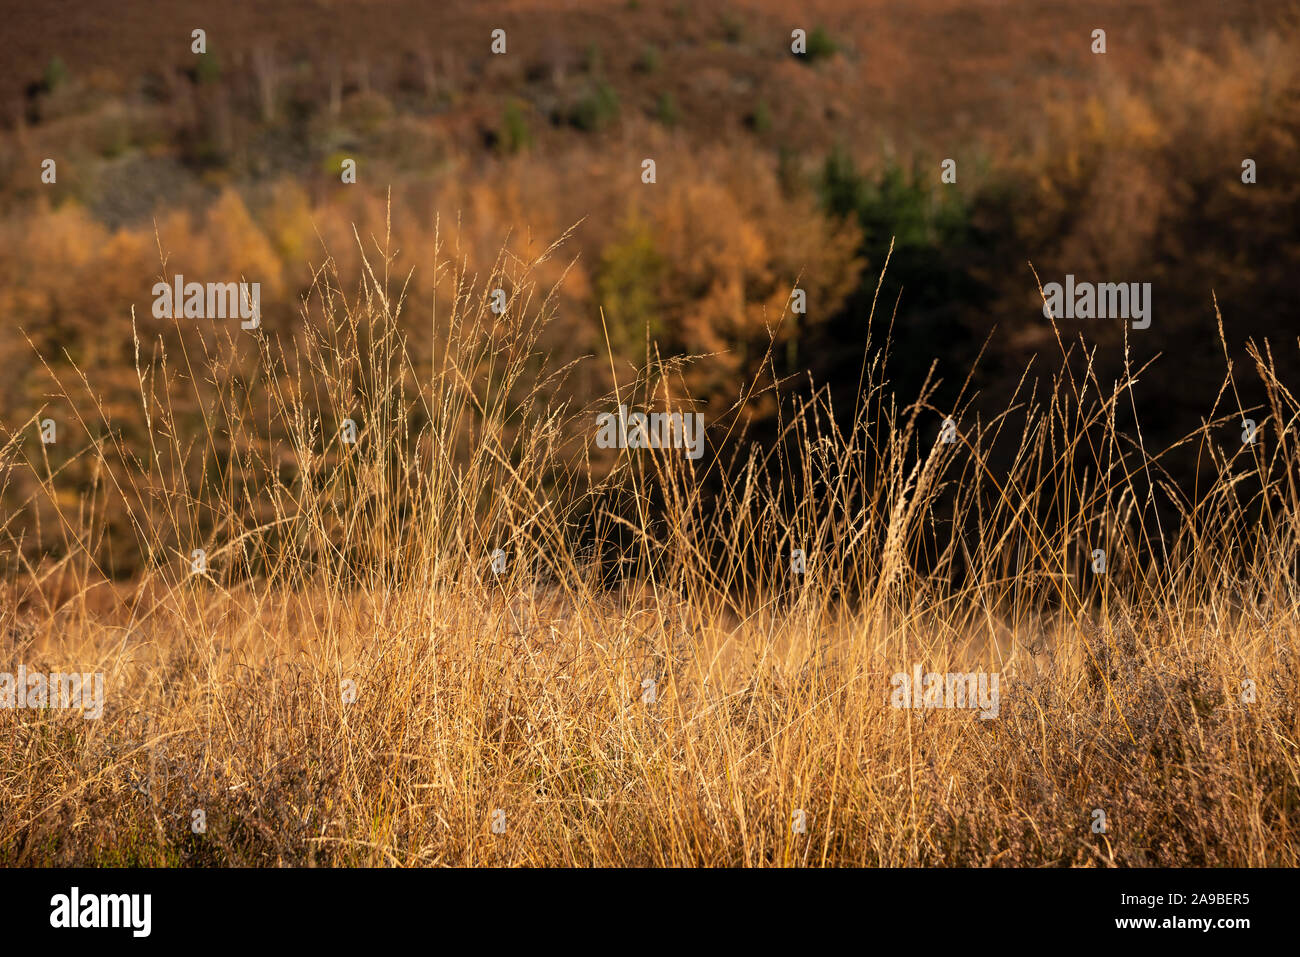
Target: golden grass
x=369 y=564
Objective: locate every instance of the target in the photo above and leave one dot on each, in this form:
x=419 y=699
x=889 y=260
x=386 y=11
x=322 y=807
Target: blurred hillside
x=773 y=170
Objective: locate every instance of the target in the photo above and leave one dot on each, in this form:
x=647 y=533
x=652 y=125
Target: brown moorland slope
x=912 y=71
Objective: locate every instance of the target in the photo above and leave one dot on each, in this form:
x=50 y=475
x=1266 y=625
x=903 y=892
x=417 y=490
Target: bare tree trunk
x=336 y=87
x=430 y=75
x=264 y=70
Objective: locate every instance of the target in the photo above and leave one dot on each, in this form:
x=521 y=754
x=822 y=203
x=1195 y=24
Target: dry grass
x=330 y=563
